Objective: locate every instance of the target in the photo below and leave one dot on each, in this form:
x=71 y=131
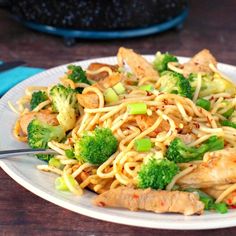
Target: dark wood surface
x=211 y=24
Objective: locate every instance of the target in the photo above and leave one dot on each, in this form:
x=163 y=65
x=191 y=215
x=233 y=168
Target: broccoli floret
x=161 y=61
x=65 y=103
x=212 y=84
x=77 y=75
x=156 y=173
x=39 y=134
x=96 y=147
x=37 y=98
x=209 y=202
x=172 y=82
x=179 y=152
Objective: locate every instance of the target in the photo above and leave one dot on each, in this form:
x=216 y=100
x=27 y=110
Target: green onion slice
x=60 y=184
x=143 y=145
x=137 y=108
x=147 y=87
x=119 y=88
x=110 y=96
x=55 y=163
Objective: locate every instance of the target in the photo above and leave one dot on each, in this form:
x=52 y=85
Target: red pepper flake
x=101 y=204
x=165 y=101
x=135 y=196
x=162 y=203
x=229 y=201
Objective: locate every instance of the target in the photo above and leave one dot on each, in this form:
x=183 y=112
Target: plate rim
x=174 y=225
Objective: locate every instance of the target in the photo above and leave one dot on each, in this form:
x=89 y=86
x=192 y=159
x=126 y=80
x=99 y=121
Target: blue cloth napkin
x=10 y=78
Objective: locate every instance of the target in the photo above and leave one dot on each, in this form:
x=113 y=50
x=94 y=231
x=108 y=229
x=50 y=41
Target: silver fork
x=20 y=152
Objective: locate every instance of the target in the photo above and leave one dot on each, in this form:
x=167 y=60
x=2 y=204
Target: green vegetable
x=221 y=207
x=39 y=134
x=179 y=152
x=172 y=82
x=37 y=98
x=209 y=202
x=60 y=184
x=64 y=102
x=77 y=75
x=96 y=147
x=161 y=61
x=70 y=153
x=110 y=96
x=147 y=87
x=119 y=88
x=137 y=108
x=228 y=123
x=157 y=174
x=212 y=84
x=143 y=145
x=204 y=103
x=55 y=163
x=229 y=113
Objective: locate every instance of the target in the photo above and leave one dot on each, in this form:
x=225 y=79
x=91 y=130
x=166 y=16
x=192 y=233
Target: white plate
x=23 y=169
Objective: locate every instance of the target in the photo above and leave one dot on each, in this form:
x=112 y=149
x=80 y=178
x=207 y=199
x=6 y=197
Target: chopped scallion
x=143 y=145
x=55 y=163
x=137 y=108
x=147 y=87
x=119 y=88
x=60 y=184
x=110 y=96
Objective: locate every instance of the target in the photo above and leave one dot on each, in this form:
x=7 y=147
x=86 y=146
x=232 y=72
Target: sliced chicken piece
x=138 y=64
x=88 y=100
x=96 y=66
x=217 y=168
x=216 y=191
x=199 y=63
x=108 y=82
x=151 y=200
x=144 y=122
x=43 y=116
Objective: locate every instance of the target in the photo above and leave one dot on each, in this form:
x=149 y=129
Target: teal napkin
x=10 y=78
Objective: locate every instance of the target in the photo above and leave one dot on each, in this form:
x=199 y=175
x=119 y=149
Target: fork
x=16 y=152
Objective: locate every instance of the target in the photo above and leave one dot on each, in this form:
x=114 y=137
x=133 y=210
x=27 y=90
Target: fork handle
x=17 y=152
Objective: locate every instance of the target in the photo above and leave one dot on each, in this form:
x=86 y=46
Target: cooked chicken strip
x=108 y=82
x=215 y=192
x=138 y=64
x=151 y=200
x=199 y=63
x=218 y=168
x=96 y=66
x=88 y=100
x=44 y=116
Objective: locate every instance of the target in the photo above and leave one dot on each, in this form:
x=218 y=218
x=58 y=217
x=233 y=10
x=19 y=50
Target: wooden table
x=211 y=24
